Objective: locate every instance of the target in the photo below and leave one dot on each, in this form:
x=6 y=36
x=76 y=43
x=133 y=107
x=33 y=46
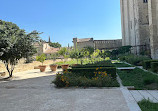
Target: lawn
x=146 y=105
x=139 y=79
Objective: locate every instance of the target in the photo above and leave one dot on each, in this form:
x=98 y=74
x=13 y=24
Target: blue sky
x=64 y=19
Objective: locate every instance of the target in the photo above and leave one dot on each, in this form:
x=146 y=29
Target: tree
x=74 y=54
x=124 y=49
x=64 y=52
x=90 y=50
x=94 y=55
x=41 y=58
x=55 y=45
x=15 y=44
x=54 y=56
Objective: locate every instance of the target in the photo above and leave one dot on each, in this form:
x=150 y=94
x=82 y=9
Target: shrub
x=147 y=63
x=154 y=66
x=134 y=59
x=90 y=72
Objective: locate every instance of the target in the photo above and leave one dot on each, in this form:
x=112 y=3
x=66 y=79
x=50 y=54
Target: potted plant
x=54 y=67
x=64 y=52
x=65 y=66
x=41 y=59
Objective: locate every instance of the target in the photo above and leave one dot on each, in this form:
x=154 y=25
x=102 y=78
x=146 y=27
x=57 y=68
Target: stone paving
x=138 y=95
x=33 y=91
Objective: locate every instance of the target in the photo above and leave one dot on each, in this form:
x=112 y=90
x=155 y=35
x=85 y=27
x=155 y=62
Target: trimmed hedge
x=147 y=63
x=89 y=72
x=95 y=65
x=154 y=66
x=134 y=59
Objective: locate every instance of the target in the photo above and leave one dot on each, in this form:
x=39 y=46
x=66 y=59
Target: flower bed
x=90 y=72
x=89 y=75
x=100 y=79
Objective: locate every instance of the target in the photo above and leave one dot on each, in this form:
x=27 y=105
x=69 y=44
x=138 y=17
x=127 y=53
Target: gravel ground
x=32 y=91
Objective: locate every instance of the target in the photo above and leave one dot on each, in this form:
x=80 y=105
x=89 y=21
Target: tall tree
x=15 y=44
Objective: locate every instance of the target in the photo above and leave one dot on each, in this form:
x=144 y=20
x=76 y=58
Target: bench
x=2 y=73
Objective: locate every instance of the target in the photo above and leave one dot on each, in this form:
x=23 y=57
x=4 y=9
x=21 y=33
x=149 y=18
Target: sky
x=63 y=20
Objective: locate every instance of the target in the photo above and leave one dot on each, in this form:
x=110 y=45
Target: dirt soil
x=21 y=66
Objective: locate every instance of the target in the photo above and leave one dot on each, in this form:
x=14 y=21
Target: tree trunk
x=10 y=71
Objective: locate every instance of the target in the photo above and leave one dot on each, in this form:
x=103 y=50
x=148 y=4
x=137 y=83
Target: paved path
x=32 y=91
x=145 y=94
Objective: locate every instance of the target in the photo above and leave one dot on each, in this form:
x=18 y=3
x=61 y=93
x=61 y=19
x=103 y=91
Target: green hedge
x=147 y=63
x=154 y=66
x=89 y=72
x=134 y=59
x=96 y=64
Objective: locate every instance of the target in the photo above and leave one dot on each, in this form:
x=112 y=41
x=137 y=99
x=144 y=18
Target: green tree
x=41 y=58
x=15 y=44
x=54 y=56
x=90 y=50
x=55 y=45
x=74 y=54
x=124 y=49
x=64 y=52
x=94 y=55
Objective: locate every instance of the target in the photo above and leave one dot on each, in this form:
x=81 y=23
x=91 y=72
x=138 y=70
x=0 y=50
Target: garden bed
x=72 y=80
x=89 y=75
x=139 y=79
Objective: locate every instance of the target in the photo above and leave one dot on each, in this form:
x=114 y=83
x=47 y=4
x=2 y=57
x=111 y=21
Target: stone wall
x=81 y=43
x=97 y=44
x=107 y=44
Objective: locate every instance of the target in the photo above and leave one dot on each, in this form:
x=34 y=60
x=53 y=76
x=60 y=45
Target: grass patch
x=147 y=105
x=139 y=79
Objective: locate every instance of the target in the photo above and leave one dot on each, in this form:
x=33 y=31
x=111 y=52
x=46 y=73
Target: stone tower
x=153 y=26
x=135 y=24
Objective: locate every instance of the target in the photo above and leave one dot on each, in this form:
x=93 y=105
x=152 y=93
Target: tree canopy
x=15 y=44
x=55 y=45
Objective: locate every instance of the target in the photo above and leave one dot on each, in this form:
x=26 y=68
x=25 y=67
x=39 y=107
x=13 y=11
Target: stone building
x=97 y=44
x=137 y=25
x=44 y=47
x=81 y=43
